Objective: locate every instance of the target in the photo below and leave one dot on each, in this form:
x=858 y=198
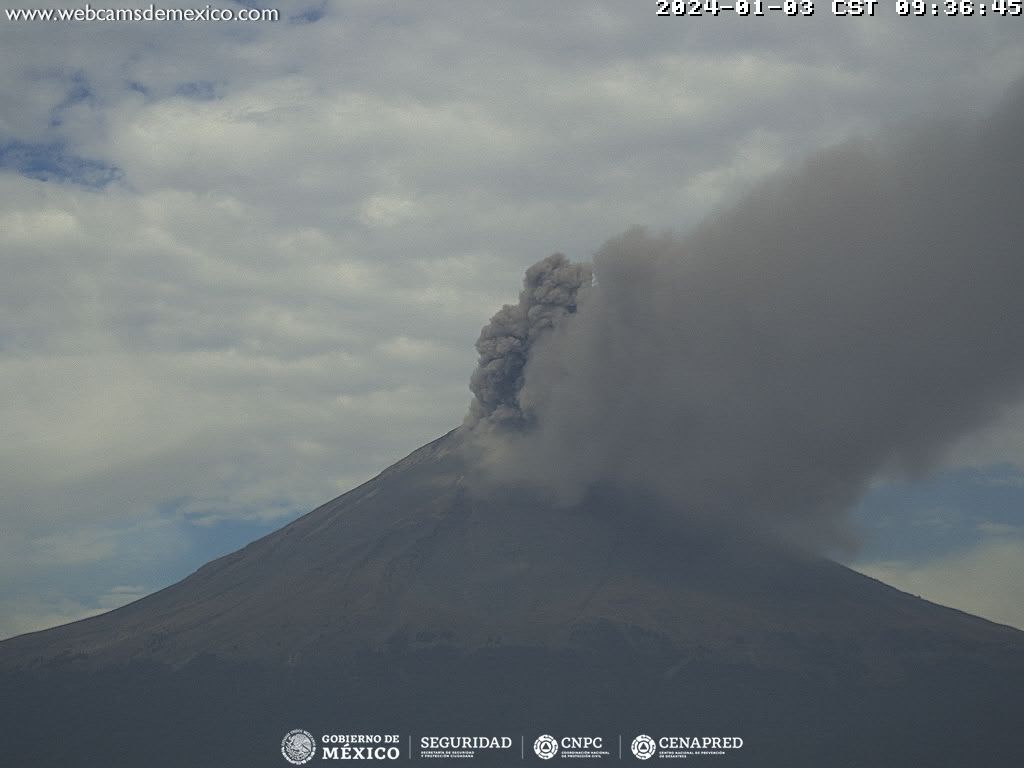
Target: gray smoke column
x=551 y=291
x=847 y=319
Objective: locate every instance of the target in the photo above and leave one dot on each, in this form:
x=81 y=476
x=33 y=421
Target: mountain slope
x=412 y=602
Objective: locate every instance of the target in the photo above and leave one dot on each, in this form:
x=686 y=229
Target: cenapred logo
x=298 y=746
x=644 y=747
x=546 y=747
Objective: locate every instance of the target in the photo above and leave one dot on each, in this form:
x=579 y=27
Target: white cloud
x=985 y=580
x=18 y=616
x=388 y=210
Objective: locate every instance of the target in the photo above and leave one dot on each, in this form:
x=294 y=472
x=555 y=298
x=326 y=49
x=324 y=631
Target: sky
x=244 y=264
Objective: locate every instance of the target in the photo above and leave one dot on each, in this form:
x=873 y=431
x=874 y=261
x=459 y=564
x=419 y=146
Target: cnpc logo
x=548 y=746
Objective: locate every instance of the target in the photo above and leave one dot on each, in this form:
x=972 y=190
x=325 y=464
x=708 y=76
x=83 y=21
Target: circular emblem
x=298 y=746
x=546 y=747
x=644 y=747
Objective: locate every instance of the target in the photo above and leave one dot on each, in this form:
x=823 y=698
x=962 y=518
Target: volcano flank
x=411 y=605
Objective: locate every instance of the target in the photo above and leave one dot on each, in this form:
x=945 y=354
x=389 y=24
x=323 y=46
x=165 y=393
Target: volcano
x=411 y=605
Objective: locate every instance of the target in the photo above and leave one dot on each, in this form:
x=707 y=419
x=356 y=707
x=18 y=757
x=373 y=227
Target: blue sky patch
x=78 y=93
x=53 y=162
x=310 y=15
x=953 y=511
x=200 y=90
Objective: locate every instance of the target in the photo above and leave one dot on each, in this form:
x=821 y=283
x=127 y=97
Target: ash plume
x=845 y=320
x=551 y=291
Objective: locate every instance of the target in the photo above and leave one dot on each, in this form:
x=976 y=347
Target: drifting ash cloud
x=845 y=320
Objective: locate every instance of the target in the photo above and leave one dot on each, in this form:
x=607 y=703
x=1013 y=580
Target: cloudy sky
x=244 y=264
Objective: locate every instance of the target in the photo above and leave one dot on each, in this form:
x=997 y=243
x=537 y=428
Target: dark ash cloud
x=846 y=320
x=551 y=291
